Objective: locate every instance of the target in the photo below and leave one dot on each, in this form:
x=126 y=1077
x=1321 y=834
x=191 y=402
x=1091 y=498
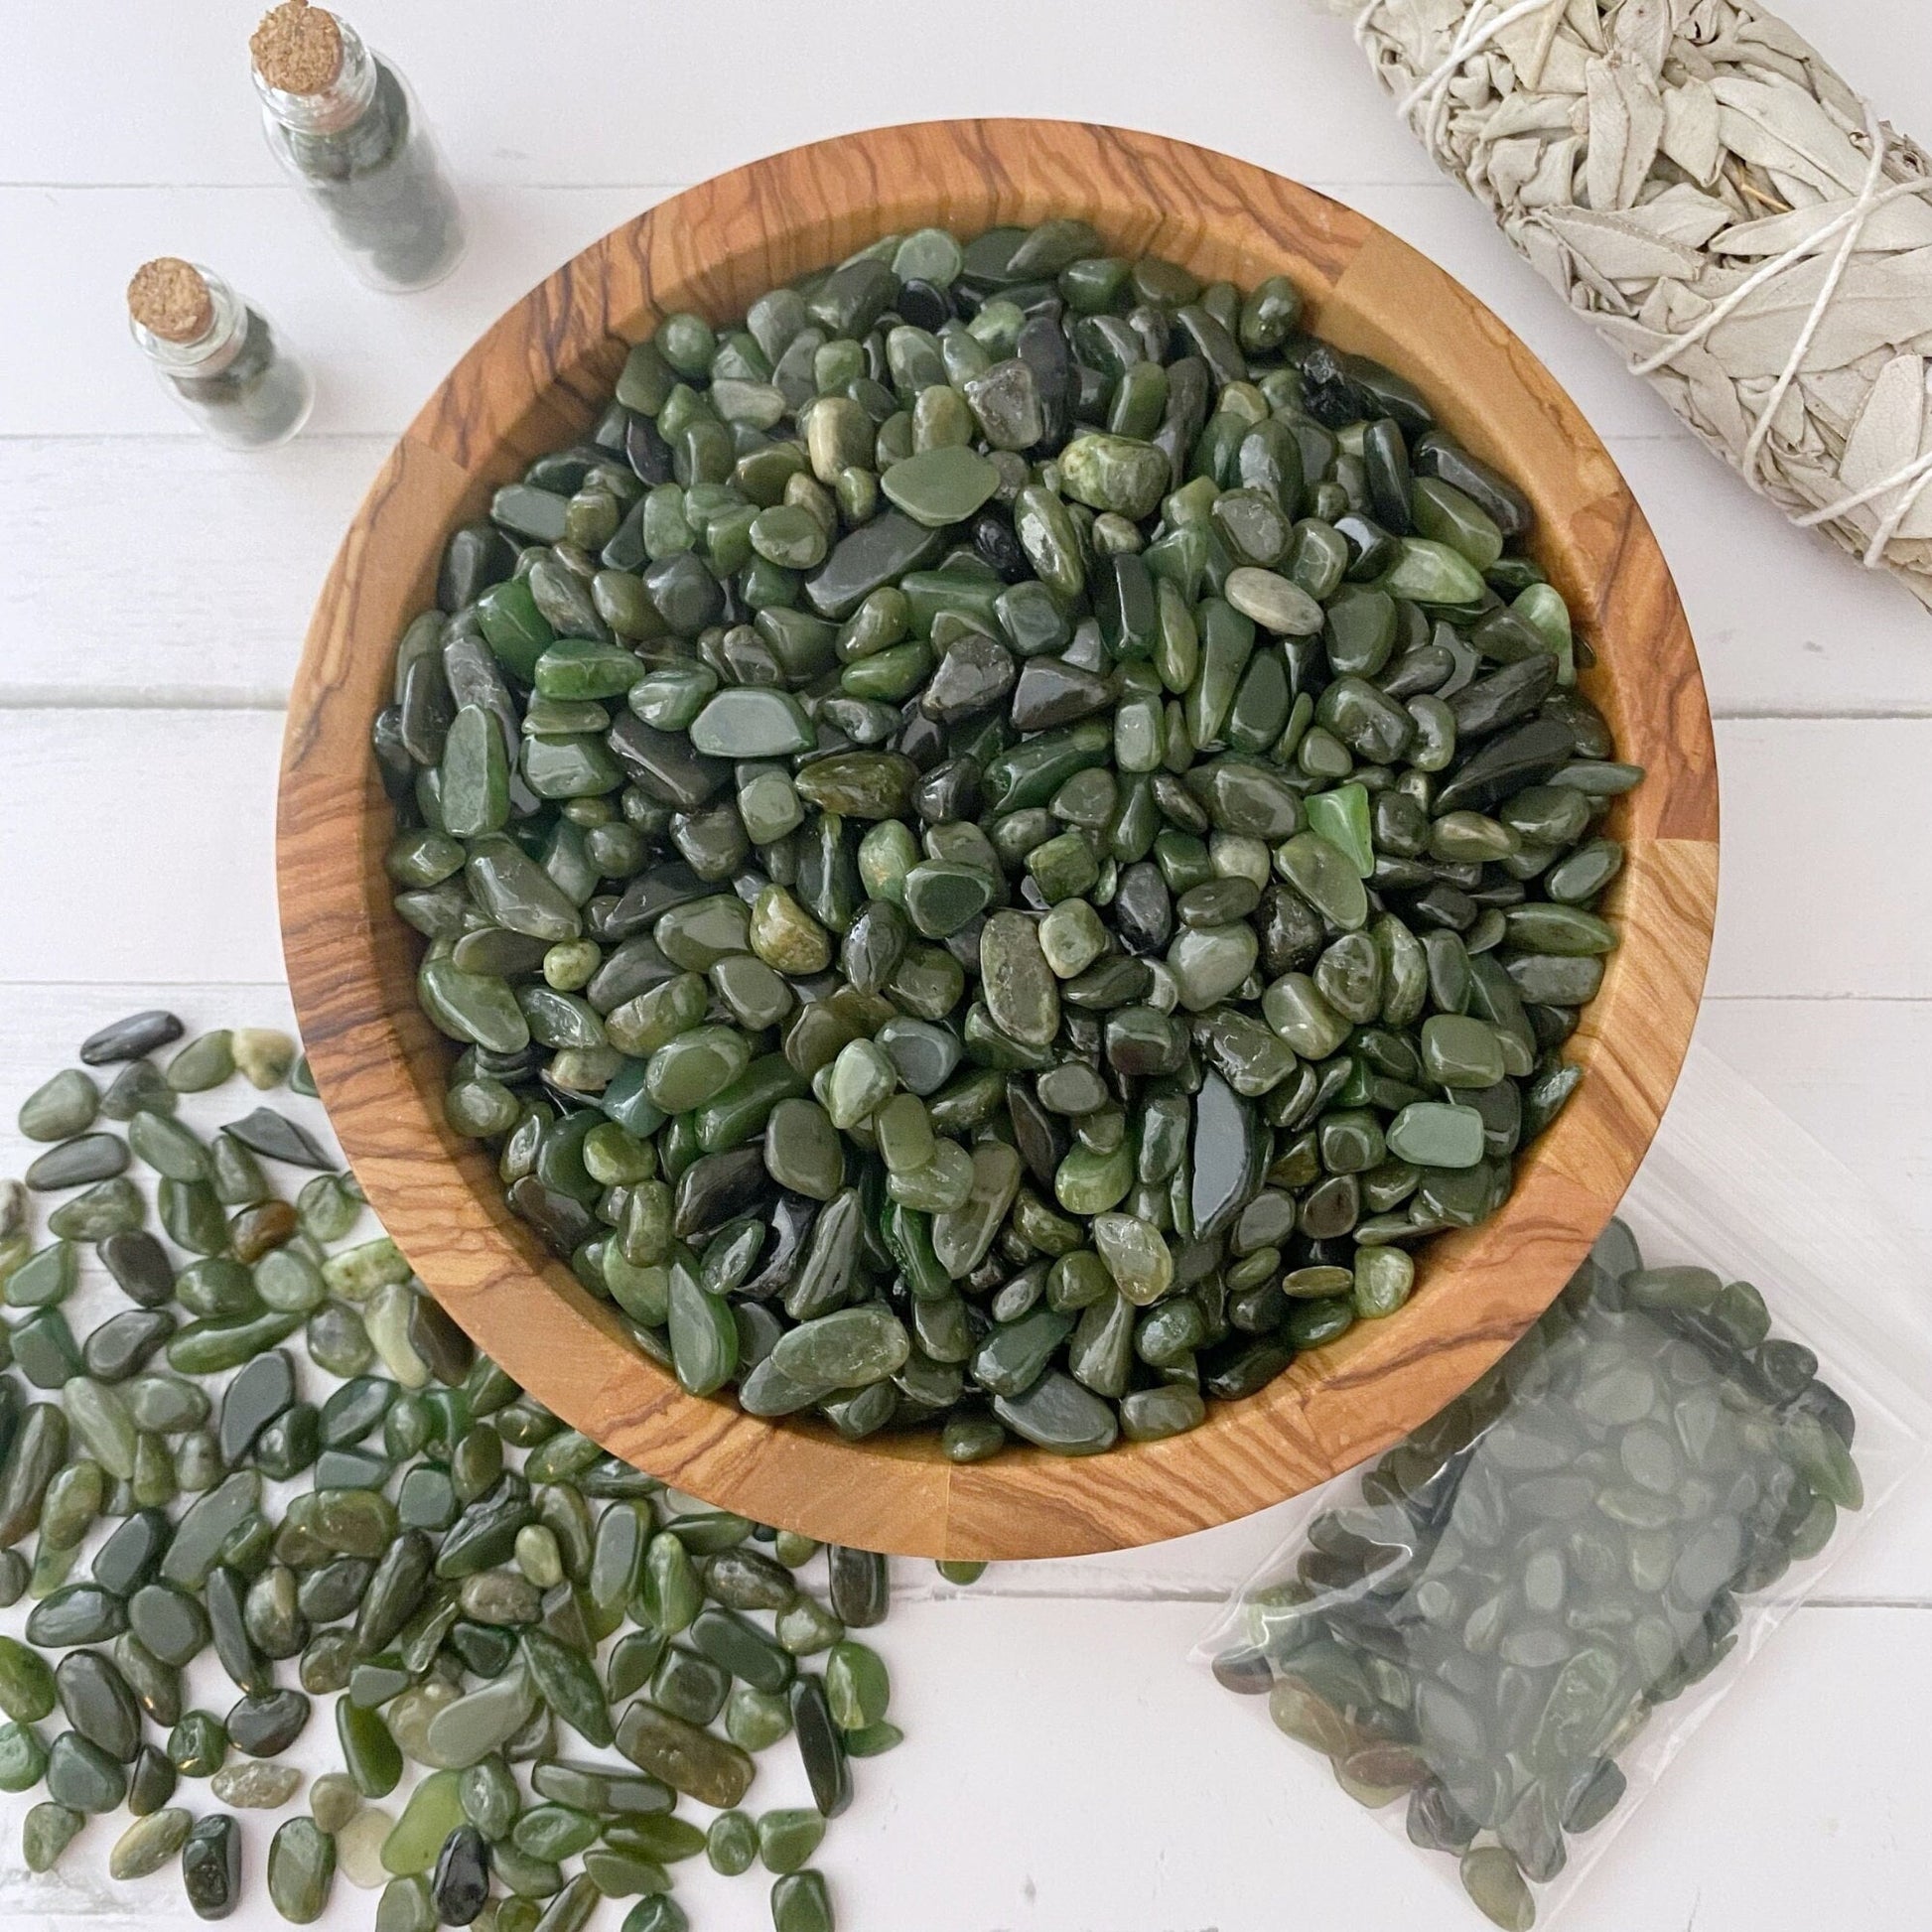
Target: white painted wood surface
x=1066 y=1769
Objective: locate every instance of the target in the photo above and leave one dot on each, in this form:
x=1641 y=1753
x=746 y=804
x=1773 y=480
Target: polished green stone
x=1461 y=1051
x=26 y=1689
x=859 y=1080
x=169 y=1147
x=684 y=1756
x=787 y=1838
x=785 y=936
x=802 y=1149
x=939 y=487
x=699 y=934
x=78 y=1161
x=468 y=1730
x=255 y=1786
x=1018 y=986
x=1496 y=1888
x=848 y=1350
x=1135 y=1256
x=1325 y=876
x=1274 y=602
x=751 y=723
x=1341 y=818
x=99 y=1704
x=941 y=1186
x=63 y=1107
x=940 y=897
x=46 y=1832
x=434 y=1811
x=703 y=1336
x=962 y=1235
x=1072 y=937
x=149 y=1844
x=1120 y=474
x=301 y=1870
x=1211 y=963
x=1428 y=572
x=44 y=1278
x=800 y=1902
x=23 y=1757
x=1056 y=1414
x=858 y=1687
x=1434 y=1134
x=857 y=785
x=695 y=1068
x=903 y=1130
x=82 y=1777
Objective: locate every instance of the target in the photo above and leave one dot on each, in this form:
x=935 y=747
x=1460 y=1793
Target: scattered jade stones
x=1001 y=840
x=274 y=1476
x=1519 y=1583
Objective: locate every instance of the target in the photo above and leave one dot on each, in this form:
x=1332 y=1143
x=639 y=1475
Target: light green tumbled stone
x=769 y=806
x=1135 y=1255
x=1209 y=964
x=1327 y=878
x=938 y=487
x=1458 y=1051
x=1089 y=1183
x=148 y=1843
x=753 y=722
x=695 y=1066
x=1072 y=937
x=65 y=1106
x=942 y=1187
x=859 y=1080
x=434 y=1811
x=904 y=1132
x=1437 y=1134
x=1118 y=474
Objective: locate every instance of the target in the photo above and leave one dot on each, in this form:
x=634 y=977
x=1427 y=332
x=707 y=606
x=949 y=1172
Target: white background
x=1066 y=1770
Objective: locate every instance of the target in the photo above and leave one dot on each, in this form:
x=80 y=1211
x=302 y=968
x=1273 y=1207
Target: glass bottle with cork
x=343 y=122
x=216 y=354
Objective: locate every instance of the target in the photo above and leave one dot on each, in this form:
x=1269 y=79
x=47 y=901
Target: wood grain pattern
x=534 y=381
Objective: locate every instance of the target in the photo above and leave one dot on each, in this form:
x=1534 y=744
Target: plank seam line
x=1158 y=1593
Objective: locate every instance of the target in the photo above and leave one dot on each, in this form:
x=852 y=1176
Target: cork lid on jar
x=298 y=49
x=170 y=298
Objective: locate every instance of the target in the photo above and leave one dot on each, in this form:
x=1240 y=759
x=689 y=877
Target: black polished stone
x=1142 y=909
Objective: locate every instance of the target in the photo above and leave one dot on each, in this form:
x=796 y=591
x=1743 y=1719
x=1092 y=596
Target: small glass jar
x=359 y=149
x=217 y=357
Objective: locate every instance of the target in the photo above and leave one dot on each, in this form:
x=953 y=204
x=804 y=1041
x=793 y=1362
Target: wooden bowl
x=535 y=381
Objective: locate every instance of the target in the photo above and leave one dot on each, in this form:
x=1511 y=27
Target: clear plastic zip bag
x=1501 y=1631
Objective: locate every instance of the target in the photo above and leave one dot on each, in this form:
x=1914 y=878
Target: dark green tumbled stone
x=82 y=1777
x=210 y=1866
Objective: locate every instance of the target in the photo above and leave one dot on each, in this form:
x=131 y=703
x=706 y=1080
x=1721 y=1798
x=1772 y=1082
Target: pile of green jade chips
x=1490 y=1624
x=1000 y=841
x=277 y=1474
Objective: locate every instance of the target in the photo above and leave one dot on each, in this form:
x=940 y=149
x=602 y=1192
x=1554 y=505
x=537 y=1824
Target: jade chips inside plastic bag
x=1501 y=1629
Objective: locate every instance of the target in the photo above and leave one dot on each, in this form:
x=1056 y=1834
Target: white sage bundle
x=1694 y=179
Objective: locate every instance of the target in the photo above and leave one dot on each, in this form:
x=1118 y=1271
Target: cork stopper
x=169 y=298
x=298 y=49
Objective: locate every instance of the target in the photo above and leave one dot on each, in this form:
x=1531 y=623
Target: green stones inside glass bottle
x=216 y=354
x=344 y=124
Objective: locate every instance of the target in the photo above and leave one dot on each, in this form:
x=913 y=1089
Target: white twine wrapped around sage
x=1691 y=177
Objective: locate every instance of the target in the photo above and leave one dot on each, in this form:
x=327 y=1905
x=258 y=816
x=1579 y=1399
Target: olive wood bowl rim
x=532 y=381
